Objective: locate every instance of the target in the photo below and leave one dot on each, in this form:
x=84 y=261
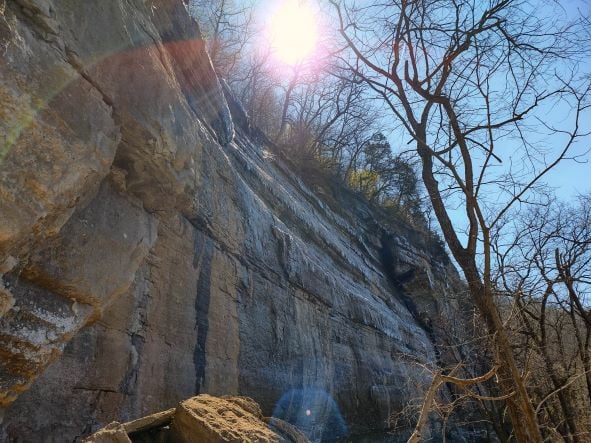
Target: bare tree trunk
x=438 y=380
x=521 y=411
x=571 y=430
x=286 y=102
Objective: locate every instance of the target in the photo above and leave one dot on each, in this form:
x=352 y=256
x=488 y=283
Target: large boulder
x=203 y=419
x=210 y=419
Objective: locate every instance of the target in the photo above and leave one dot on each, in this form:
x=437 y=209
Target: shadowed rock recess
x=151 y=251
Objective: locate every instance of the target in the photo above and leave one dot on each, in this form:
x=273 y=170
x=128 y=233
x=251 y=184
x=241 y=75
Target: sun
x=292 y=31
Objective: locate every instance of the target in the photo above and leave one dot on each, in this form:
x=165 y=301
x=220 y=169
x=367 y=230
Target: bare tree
x=546 y=270
x=439 y=379
x=229 y=28
x=329 y=117
x=474 y=85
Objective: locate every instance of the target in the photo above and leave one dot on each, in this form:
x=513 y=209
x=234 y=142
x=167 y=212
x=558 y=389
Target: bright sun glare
x=293 y=31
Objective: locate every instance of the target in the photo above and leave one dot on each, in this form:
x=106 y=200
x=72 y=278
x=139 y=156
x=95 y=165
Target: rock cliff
x=150 y=250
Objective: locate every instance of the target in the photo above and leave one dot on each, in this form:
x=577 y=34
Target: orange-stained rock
x=6 y=300
x=208 y=419
x=203 y=419
x=112 y=433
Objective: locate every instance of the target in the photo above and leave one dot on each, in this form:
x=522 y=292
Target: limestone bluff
x=152 y=249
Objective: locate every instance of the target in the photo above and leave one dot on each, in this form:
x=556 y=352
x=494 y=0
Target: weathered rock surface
x=150 y=251
x=203 y=419
x=210 y=419
x=112 y=433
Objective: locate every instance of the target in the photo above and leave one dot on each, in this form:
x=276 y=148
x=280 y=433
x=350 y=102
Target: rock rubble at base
x=203 y=419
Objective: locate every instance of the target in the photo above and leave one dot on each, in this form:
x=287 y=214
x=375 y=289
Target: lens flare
x=293 y=32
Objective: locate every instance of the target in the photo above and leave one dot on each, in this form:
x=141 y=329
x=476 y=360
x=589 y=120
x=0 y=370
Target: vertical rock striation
x=150 y=251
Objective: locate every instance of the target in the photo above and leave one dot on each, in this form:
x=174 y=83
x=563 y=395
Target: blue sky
x=570 y=177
